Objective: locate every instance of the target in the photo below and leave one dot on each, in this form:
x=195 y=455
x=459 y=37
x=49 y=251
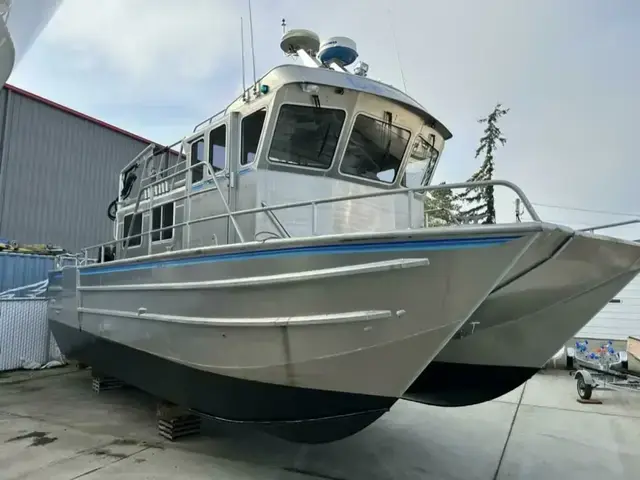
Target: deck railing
x=270 y=210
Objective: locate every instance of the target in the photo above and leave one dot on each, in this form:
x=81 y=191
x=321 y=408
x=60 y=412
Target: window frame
x=139 y=238
x=210 y=144
x=192 y=144
x=260 y=144
x=171 y=228
x=346 y=127
x=352 y=126
x=423 y=182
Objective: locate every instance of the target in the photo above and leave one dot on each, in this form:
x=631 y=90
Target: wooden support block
x=102 y=383
x=176 y=422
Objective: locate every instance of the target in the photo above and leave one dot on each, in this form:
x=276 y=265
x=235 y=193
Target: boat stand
x=100 y=382
x=176 y=422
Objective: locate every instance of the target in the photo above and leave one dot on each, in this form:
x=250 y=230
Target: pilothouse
x=298 y=135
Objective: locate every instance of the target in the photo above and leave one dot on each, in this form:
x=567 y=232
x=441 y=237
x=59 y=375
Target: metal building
x=620 y=319
x=58 y=171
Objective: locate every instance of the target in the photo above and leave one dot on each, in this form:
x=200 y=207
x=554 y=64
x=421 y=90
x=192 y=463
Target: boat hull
x=20 y=25
x=334 y=326
x=525 y=321
x=337 y=414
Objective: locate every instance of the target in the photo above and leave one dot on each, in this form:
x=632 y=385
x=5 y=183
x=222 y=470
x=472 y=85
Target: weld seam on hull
x=310 y=421
x=219 y=369
x=558 y=302
x=504 y=273
x=328 y=319
x=536 y=265
x=267 y=280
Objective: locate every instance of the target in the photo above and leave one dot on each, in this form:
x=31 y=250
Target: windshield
x=375 y=149
x=306 y=136
x=421 y=165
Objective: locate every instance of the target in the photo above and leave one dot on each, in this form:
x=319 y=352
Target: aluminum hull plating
x=20 y=26
x=529 y=318
x=322 y=331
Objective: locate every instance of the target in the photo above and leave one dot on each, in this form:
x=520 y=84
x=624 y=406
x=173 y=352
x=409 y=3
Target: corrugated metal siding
x=58 y=174
x=617 y=321
x=17 y=270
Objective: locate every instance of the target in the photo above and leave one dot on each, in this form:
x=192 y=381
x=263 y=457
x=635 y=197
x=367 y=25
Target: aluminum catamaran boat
x=21 y=22
x=276 y=269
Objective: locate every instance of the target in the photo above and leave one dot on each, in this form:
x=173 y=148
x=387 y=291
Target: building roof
x=75 y=113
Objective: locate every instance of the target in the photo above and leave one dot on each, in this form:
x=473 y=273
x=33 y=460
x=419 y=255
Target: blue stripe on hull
x=421 y=245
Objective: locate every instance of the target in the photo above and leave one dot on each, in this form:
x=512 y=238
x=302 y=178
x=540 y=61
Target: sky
x=568 y=70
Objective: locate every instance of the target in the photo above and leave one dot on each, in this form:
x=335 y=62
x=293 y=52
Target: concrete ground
x=54 y=427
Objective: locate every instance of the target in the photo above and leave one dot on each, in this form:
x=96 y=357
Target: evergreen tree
x=480 y=200
x=441 y=207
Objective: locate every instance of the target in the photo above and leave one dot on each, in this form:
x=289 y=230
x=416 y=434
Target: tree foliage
x=478 y=202
x=441 y=207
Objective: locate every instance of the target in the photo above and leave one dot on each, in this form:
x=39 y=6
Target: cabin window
x=422 y=163
x=218 y=148
x=197 y=156
x=251 y=133
x=136 y=230
x=162 y=218
x=375 y=149
x=306 y=136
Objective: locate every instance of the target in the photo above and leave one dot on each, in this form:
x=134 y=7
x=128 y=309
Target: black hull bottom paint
x=446 y=384
x=295 y=414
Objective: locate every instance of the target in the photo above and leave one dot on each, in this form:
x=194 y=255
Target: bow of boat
x=549 y=295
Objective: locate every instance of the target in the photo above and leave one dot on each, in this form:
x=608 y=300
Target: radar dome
x=341 y=50
x=300 y=39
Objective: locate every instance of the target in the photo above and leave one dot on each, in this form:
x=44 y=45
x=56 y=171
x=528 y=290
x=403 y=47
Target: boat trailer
x=587 y=381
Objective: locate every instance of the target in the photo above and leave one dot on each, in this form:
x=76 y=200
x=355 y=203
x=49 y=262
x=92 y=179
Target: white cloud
x=147 y=40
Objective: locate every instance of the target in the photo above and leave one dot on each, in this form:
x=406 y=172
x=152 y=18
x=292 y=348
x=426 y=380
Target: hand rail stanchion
x=314 y=219
x=410 y=209
x=150 y=219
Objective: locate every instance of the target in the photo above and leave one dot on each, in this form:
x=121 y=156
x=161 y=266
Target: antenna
x=253 y=53
x=395 y=45
x=284 y=26
x=244 y=85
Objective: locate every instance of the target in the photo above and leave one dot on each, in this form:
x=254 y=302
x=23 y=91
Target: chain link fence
x=25 y=338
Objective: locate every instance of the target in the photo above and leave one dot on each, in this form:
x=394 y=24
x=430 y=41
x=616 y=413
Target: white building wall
x=617 y=321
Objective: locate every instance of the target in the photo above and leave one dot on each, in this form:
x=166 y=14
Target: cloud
x=564 y=68
x=146 y=41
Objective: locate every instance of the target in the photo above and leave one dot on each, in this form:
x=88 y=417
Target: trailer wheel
x=584 y=390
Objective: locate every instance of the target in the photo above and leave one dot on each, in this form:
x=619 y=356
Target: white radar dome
x=341 y=50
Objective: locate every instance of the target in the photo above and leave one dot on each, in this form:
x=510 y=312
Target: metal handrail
x=276 y=222
x=314 y=204
x=137 y=158
x=209 y=120
x=610 y=225
x=189 y=194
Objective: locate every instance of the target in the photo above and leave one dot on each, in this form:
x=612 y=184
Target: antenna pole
x=284 y=26
x=253 y=54
x=395 y=45
x=244 y=85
